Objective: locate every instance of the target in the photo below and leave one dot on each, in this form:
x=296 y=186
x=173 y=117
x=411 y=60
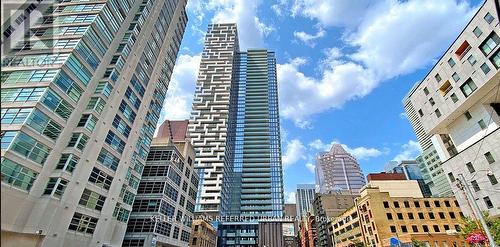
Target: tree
x=417 y=243
x=471 y=226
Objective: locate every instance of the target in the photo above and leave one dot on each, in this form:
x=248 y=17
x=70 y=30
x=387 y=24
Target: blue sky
x=343 y=68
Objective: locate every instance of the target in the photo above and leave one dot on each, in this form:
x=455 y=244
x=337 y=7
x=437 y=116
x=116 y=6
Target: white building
x=458 y=103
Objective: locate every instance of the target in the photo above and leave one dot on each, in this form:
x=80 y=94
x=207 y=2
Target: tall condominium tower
x=429 y=162
x=167 y=190
x=338 y=170
x=458 y=104
x=81 y=96
x=304 y=198
x=209 y=118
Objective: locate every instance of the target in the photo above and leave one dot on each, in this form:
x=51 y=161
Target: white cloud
x=302 y=95
x=290 y=197
x=309 y=39
x=361 y=153
x=177 y=105
x=388 y=38
x=409 y=151
x=294 y=151
x=311 y=167
x=244 y=14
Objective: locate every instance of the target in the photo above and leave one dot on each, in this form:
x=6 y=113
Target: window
x=485 y=68
x=83 y=223
x=437 y=77
x=425 y=228
x=472 y=60
x=490 y=43
x=417 y=204
x=489 y=18
x=427 y=204
x=100 y=179
x=393 y=229
x=389 y=216
x=404 y=229
x=22 y=94
x=468 y=87
x=421 y=113
x=115 y=142
x=120 y=213
x=451 y=62
x=55 y=187
x=426 y=91
x=495 y=59
x=150 y=187
x=458 y=228
x=467 y=115
x=445 y=88
x=452 y=215
x=104 y=88
x=44 y=125
x=470 y=167
x=414 y=228
x=67 y=162
x=431 y=216
x=463 y=49
x=493 y=179
x=14 y=115
x=475 y=185
x=488 y=202
x=108 y=159
x=88 y=121
x=400 y=216
x=451 y=177
x=477 y=31
x=78 y=140
x=92 y=200
x=441 y=215
x=489 y=158
x=438 y=113
x=57 y=105
x=97 y=104
x=455 y=77
x=30 y=148
x=121 y=126
x=482 y=125
x=17 y=175
x=410 y=216
x=436 y=228
x=431 y=100
x=446 y=227
x=454 y=97
x=67 y=85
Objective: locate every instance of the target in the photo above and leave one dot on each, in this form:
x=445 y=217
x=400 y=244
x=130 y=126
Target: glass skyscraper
x=81 y=96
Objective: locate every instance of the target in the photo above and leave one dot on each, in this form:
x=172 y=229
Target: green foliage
x=357 y=243
x=417 y=243
x=470 y=226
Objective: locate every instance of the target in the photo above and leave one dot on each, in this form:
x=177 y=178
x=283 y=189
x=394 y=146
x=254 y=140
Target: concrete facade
x=458 y=105
x=78 y=116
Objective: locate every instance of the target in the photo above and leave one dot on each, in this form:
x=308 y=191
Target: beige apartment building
x=458 y=104
x=396 y=209
x=203 y=234
x=81 y=96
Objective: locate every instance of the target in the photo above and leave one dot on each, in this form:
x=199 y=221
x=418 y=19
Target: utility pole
x=477 y=211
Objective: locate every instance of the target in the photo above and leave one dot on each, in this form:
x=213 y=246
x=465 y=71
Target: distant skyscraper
x=304 y=198
x=209 y=119
x=338 y=170
x=411 y=170
x=81 y=97
x=167 y=189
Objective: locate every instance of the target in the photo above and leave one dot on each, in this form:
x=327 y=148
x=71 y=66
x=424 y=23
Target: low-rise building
x=396 y=210
x=328 y=206
x=344 y=230
x=307 y=231
x=202 y=234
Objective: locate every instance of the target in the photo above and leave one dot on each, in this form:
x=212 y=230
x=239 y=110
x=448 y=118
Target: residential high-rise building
x=429 y=163
x=338 y=170
x=411 y=171
x=253 y=181
x=458 y=104
x=304 y=198
x=209 y=119
x=81 y=96
x=167 y=191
